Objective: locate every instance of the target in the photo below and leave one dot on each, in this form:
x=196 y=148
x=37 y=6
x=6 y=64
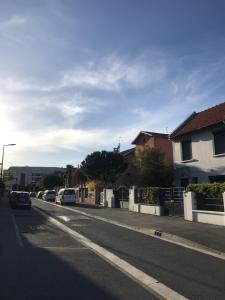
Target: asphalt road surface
x=39 y=261
x=190 y=273
x=47 y=263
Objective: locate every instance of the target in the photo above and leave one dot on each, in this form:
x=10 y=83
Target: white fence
x=204 y=216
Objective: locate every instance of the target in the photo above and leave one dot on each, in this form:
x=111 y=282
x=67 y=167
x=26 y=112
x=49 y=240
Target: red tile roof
x=150 y=133
x=203 y=119
x=128 y=152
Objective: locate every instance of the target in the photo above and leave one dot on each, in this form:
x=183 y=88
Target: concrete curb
x=167 y=237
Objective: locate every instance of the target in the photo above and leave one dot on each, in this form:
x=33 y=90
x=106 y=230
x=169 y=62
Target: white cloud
x=11 y=84
x=109 y=74
x=26 y=101
x=13 y=22
x=113 y=73
x=67 y=109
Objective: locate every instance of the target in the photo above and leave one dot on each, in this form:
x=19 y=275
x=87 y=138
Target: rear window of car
x=69 y=192
x=22 y=195
x=51 y=193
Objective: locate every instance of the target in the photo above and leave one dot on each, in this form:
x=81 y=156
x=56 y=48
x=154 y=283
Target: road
x=39 y=261
x=56 y=266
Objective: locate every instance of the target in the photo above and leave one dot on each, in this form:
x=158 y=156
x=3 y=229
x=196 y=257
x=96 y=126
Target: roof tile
x=203 y=119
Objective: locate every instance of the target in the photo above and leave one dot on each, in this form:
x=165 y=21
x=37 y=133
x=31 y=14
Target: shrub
x=149 y=195
x=207 y=190
x=95 y=185
x=209 y=196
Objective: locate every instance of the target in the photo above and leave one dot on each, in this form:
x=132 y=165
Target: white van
x=65 y=196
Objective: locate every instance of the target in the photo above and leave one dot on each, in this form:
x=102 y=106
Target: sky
x=78 y=75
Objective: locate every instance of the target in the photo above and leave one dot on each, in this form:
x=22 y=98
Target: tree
x=52 y=180
x=68 y=175
x=104 y=166
x=153 y=172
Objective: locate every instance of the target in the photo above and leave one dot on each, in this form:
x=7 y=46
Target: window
x=184 y=182
x=69 y=192
x=194 y=180
x=217 y=178
x=50 y=193
x=186 y=150
x=219 y=142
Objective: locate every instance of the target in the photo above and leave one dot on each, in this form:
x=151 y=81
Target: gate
x=172 y=201
x=121 y=195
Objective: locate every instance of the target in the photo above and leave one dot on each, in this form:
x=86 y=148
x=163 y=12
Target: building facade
x=144 y=140
x=199 y=147
x=156 y=140
x=28 y=177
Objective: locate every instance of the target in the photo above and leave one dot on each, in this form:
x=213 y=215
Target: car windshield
x=69 y=192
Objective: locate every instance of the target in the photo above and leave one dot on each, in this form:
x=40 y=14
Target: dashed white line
x=151 y=284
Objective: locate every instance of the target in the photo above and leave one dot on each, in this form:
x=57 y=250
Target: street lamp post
x=3 y=151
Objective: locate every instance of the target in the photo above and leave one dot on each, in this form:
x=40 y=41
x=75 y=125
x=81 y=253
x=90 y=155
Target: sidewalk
x=210 y=236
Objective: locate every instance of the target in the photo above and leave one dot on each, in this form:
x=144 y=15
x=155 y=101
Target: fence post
x=224 y=206
x=110 y=199
x=189 y=205
x=132 y=205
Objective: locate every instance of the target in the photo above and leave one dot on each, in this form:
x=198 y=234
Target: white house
x=199 y=147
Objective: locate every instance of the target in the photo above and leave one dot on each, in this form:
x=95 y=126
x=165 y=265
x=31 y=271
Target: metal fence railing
x=210 y=204
x=159 y=195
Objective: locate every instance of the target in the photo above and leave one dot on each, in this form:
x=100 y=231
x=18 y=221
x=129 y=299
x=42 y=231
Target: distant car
x=11 y=194
x=20 y=199
x=32 y=194
x=49 y=195
x=40 y=194
x=65 y=196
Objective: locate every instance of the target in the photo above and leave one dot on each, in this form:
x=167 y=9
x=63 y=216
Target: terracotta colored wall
x=161 y=143
x=145 y=142
x=90 y=201
x=165 y=146
x=85 y=200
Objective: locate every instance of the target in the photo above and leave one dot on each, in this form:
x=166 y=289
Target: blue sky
x=75 y=75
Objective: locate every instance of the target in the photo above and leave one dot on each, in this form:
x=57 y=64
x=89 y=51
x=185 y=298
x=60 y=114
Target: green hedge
x=207 y=190
x=149 y=195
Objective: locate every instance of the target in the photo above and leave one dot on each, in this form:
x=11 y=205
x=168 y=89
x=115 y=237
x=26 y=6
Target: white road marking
x=64 y=218
x=73 y=218
x=60 y=248
x=151 y=284
x=151 y=232
x=17 y=232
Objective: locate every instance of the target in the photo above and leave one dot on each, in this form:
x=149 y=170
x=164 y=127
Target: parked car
x=40 y=194
x=65 y=195
x=32 y=194
x=20 y=199
x=49 y=195
x=11 y=194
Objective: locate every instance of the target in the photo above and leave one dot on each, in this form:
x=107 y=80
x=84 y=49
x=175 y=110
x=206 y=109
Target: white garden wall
x=142 y=208
x=151 y=209
x=203 y=216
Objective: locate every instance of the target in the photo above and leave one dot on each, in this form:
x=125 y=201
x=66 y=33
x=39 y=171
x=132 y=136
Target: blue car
x=20 y=199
